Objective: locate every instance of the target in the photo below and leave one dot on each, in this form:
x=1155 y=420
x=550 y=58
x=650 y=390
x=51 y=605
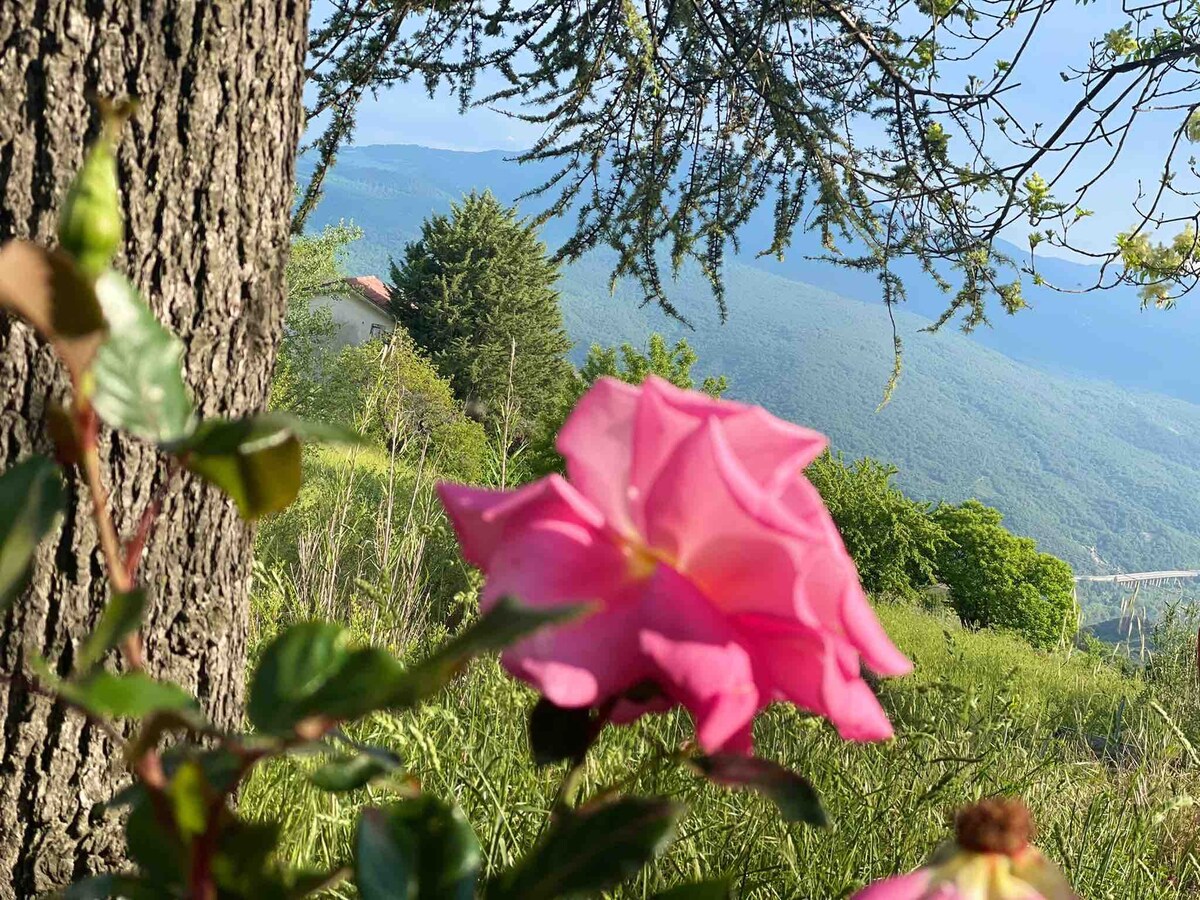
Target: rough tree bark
x=207 y=170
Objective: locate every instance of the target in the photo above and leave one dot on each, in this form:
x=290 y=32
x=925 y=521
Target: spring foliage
x=892 y=538
x=1000 y=580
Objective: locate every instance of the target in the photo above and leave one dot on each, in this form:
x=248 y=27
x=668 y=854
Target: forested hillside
x=1105 y=335
x=1100 y=475
x=1075 y=464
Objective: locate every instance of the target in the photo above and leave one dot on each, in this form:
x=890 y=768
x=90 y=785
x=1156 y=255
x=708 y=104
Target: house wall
x=355 y=317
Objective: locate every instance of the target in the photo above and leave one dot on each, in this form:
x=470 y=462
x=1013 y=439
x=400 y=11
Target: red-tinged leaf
x=47 y=290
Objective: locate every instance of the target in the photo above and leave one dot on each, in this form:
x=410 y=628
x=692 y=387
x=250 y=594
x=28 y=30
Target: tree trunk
x=207 y=174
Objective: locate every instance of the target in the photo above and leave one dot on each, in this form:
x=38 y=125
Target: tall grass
x=365 y=544
x=1101 y=755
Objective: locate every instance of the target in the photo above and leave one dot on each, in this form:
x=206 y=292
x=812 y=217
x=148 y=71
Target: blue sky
x=405 y=114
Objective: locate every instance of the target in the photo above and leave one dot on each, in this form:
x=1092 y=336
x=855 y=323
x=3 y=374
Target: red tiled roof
x=371 y=288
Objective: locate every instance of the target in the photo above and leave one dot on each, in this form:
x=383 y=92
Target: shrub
x=892 y=538
x=631 y=365
x=1000 y=580
x=401 y=401
x=386 y=389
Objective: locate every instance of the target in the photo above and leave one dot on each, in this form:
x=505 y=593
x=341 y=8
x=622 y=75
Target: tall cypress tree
x=476 y=292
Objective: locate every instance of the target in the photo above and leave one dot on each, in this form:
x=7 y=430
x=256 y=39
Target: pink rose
x=717 y=575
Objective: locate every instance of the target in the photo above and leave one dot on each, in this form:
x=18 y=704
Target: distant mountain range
x=1106 y=475
x=389 y=189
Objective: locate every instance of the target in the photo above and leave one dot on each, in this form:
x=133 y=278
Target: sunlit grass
x=983 y=713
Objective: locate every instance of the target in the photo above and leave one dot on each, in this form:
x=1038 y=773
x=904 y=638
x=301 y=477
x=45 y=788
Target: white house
x=359 y=307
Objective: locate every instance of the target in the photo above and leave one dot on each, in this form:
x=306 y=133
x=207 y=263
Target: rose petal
x=659 y=431
x=829 y=597
x=868 y=637
x=694 y=403
x=913 y=886
x=806 y=513
x=711 y=533
x=803 y=665
x=583 y=663
x=770 y=449
x=551 y=563
x=700 y=662
x=596 y=441
x=483 y=519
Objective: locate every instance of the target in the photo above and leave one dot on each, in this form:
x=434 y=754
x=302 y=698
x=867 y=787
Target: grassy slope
x=978 y=717
x=982 y=713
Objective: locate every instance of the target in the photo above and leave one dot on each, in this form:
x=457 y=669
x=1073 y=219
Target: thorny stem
x=147 y=765
x=109 y=542
x=145 y=760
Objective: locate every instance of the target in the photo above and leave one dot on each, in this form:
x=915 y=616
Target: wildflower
x=990 y=858
x=718 y=579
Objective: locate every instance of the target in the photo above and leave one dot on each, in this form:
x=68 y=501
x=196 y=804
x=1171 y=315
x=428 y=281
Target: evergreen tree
x=476 y=292
x=892 y=129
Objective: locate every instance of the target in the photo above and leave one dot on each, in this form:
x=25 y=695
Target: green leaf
x=311 y=670
x=420 y=849
x=138 y=374
x=221 y=770
x=557 y=734
x=131 y=695
x=353 y=771
x=594 y=848
x=243 y=865
x=219 y=767
x=312 y=432
x=255 y=460
x=507 y=622
x=190 y=798
x=31 y=500
x=698 y=890
x=793 y=794
x=156 y=850
x=121 y=617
